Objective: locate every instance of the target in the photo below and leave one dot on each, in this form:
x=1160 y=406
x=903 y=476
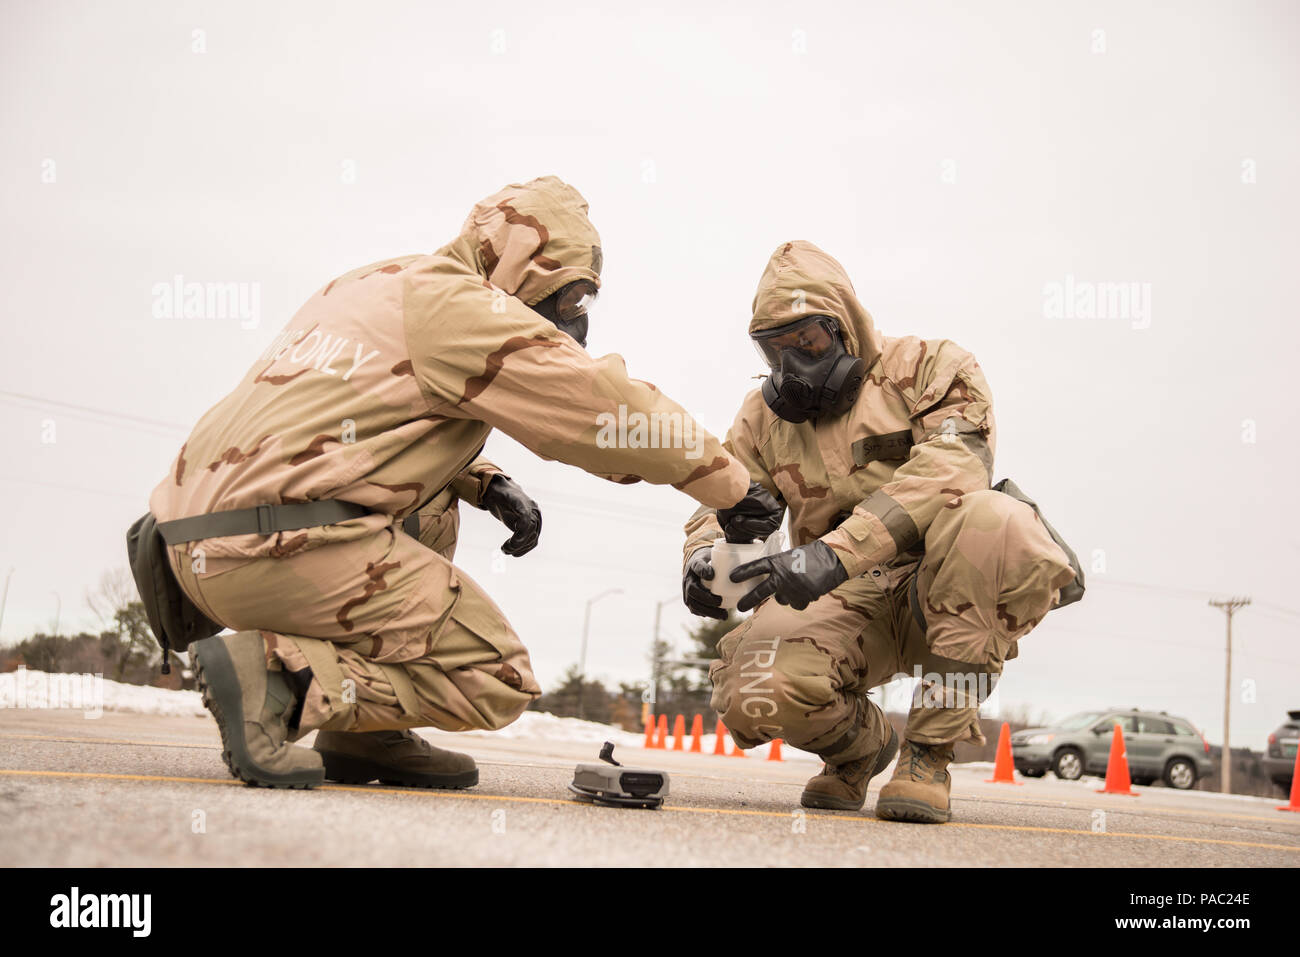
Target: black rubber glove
x=797 y=577
x=695 y=593
x=516 y=511
x=757 y=515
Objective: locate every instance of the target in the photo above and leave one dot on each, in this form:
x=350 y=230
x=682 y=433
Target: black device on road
x=613 y=785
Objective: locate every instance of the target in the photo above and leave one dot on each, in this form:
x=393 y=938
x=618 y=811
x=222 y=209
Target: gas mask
x=566 y=308
x=812 y=373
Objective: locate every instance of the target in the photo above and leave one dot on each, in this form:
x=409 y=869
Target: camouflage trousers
x=989 y=573
x=394 y=634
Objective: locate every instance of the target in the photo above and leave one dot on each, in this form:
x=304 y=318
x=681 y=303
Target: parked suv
x=1279 y=759
x=1158 y=746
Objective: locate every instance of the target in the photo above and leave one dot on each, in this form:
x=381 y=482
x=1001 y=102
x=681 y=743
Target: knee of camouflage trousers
x=991 y=571
x=394 y=634
x=793 y=675
x=348 y=692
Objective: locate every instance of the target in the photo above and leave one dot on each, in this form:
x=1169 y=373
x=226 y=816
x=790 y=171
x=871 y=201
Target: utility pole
x=1225 y=770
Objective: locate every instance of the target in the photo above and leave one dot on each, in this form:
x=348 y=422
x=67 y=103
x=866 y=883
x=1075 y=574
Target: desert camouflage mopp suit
x=381 y=392
x=943 y=572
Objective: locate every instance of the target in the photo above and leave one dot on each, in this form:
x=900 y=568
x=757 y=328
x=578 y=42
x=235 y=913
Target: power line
x=1047 y=627
x=1278 y=609
x=73 y=488
x=85 y=409
x=560 y=500
x=1183 y=592
x=1145 y=586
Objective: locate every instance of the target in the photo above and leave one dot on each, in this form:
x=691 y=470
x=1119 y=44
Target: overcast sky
x=970 y=165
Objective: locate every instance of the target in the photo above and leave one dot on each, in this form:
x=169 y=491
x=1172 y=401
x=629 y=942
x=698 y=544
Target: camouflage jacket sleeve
x=482 y=355
x=472 y=481
x=952 y=424
x=743 y=441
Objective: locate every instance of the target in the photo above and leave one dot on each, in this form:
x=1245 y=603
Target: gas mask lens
x=574 y=300
x=566 y=308
x=814 y=337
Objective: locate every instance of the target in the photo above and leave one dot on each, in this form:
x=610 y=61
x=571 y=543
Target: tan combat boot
x=920 y=786
x=252 y=706
x=843 y=786
x=393 y=757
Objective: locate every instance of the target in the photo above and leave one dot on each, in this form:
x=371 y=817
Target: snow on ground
x=94 y=694
x=544 y=726
x=1092 y=783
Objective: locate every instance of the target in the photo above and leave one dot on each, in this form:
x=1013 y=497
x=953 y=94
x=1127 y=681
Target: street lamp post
x=582 y=659
x=655 y=658
x=5 y=599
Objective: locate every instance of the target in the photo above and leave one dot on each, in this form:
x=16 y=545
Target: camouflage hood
x=801 y=280
x=530 y=239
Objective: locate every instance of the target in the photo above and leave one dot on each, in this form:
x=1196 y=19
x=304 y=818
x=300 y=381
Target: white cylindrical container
x=727 y=556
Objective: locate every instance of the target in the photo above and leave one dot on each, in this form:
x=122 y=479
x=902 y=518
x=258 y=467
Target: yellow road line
x=1121 y=808
x=99 y=775
x=1039 y=802
x=139 y=744
x=519 y=799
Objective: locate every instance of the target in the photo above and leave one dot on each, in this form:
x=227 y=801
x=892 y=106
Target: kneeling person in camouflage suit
x=372 y=407
x=882 y=449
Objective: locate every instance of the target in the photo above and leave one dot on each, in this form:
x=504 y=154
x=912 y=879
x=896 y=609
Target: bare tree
x=116 y=591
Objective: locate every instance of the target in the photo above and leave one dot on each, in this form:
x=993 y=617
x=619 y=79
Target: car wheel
x=1068 y=764
x=1034 y=773
x=1180 y=773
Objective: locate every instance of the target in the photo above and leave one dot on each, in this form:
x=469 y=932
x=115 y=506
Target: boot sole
x=350 y=769
x=214 y=674
x=915 y=812
x=828 y=803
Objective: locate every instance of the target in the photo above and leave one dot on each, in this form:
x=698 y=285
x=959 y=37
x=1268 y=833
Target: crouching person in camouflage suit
x=350 y=443
x=882 y=449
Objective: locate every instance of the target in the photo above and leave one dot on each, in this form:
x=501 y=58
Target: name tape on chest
x=875 y=448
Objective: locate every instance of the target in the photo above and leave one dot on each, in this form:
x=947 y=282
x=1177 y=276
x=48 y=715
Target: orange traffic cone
x=774 y=752
x=720 y=739
x=697 y=733
x=649 y=733
x=1117 y=779
x=1003 y=766
x=661 y=733
x=736 y=751
x=679 y=733
x=1295 y=786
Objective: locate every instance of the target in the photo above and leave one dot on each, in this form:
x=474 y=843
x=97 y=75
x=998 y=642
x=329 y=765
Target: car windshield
x=1076 y=721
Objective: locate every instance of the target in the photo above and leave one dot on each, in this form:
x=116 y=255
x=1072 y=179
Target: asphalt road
x=132 y=790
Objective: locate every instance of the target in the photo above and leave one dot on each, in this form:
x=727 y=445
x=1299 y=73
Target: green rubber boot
x=392 y=757
x=253 y=707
